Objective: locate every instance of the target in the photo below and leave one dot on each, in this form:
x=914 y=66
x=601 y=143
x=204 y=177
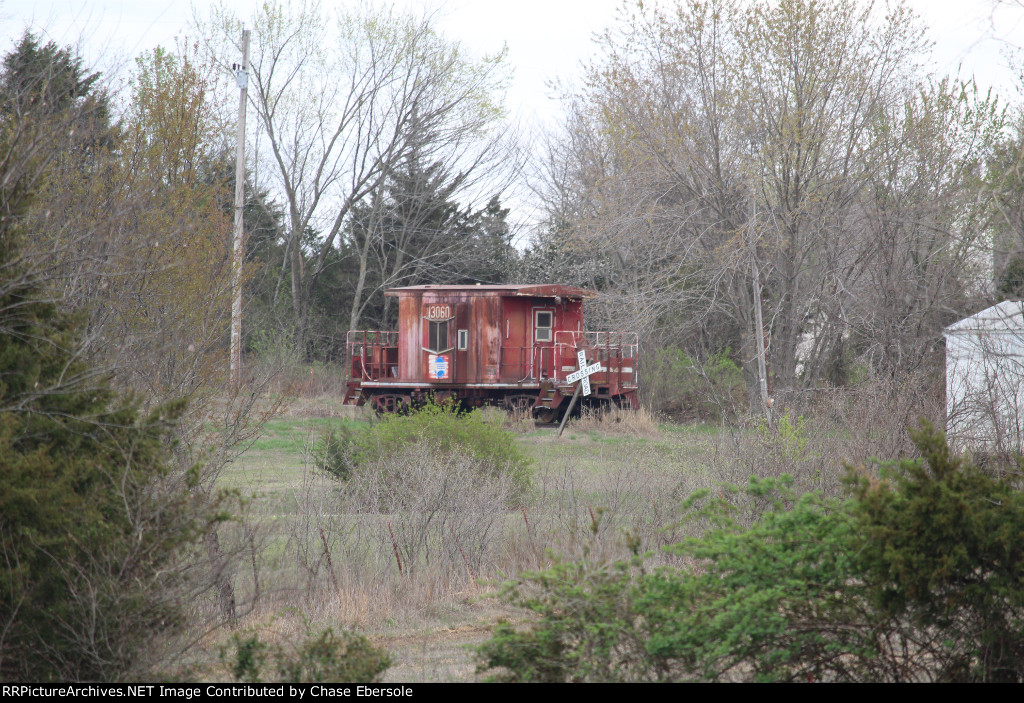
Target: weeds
x=323 y=656
x=619 y=422
x=344 y=454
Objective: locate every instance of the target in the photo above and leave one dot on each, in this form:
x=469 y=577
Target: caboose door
x=466 y=352
x=438 y=346
x=543 y=342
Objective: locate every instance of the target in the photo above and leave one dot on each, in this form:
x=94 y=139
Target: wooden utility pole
x=762 y=366
x=238 y=250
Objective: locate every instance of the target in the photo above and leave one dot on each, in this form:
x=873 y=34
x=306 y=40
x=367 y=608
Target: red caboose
x=510 y=345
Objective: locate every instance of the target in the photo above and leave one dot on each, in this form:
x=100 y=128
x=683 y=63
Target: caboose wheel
x=546 y=416
x=390 y=403
x=519 y=403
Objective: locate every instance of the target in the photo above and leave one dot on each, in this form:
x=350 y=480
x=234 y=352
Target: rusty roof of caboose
x=532 y=290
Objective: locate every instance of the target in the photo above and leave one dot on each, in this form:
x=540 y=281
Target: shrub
x=589 y=629
x=787 y=439
x=443 y=506
x=336 y=452
x=753 y=609
x=943 y=547
x=918 y=576
x=690 y=389
x=442 y=426
x=320 y=657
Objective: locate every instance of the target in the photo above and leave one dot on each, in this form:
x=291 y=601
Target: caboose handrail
x=382 y=338
x=612 y=349
x=626 y=341
x=378 y=340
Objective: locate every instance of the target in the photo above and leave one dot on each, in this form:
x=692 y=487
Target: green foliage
x=95 y=527
x=320 y=657
x=48 y=80
x=772 y=599
x=754 y=609
x=918 y=576
x=689 y=389
x=440 y=425
x=944 y=547
x=786 y=437
x=590 y=628
x=337 y=452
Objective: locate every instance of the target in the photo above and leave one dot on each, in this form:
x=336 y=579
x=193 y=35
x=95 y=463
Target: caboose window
x=543 y=322
x=437 y=336
x=463 y=340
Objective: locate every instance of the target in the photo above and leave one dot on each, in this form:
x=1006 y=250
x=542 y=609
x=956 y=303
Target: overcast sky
x=547 y=39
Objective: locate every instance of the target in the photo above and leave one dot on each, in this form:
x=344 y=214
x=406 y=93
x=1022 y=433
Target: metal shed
x=985 y=380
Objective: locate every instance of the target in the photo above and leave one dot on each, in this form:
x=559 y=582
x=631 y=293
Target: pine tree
x=92 y=519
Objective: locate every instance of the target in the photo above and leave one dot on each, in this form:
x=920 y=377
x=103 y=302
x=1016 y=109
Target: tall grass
x=426 y=531
x=609 y=488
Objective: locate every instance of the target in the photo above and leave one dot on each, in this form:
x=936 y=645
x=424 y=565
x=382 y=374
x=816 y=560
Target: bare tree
x=721 y=158
x=340 y=100
x=922 y=226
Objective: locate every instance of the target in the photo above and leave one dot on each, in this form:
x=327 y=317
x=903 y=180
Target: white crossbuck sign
x=583 y=375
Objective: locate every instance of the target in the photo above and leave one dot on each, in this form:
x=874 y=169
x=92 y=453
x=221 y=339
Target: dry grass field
x=418 y=576
x=414 y=562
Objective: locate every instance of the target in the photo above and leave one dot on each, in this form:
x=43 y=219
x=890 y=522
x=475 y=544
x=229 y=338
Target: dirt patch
x=442 y=653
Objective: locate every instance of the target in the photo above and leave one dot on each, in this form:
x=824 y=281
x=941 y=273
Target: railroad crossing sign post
x=583 y=376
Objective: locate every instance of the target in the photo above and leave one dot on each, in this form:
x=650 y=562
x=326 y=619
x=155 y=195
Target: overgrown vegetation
x=318 y=657
x=343 y=452
x=686 y=389
x=916 y=576
x=96 y=528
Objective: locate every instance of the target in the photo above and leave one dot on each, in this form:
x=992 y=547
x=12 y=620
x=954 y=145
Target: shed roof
x=531 y=290
x=1006 y=317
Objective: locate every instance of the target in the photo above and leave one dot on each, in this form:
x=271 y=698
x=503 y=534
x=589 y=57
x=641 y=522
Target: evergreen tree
x=43 y=82
x=92 y=520
x=420 y=235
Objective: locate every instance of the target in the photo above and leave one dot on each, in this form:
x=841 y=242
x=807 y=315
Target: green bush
x=320 y=657
x=686 y=388
x=442 y=426
x=918 y=576
x=589 y=629
x=754 y=608
x=943 y=548
x=336 y=452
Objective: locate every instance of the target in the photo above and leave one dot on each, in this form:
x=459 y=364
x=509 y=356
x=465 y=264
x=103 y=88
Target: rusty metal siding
x=465 y=364
x=409 y=333
x=515 y=330
x=499 y=321
x=571 y=317
x=487 y=315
